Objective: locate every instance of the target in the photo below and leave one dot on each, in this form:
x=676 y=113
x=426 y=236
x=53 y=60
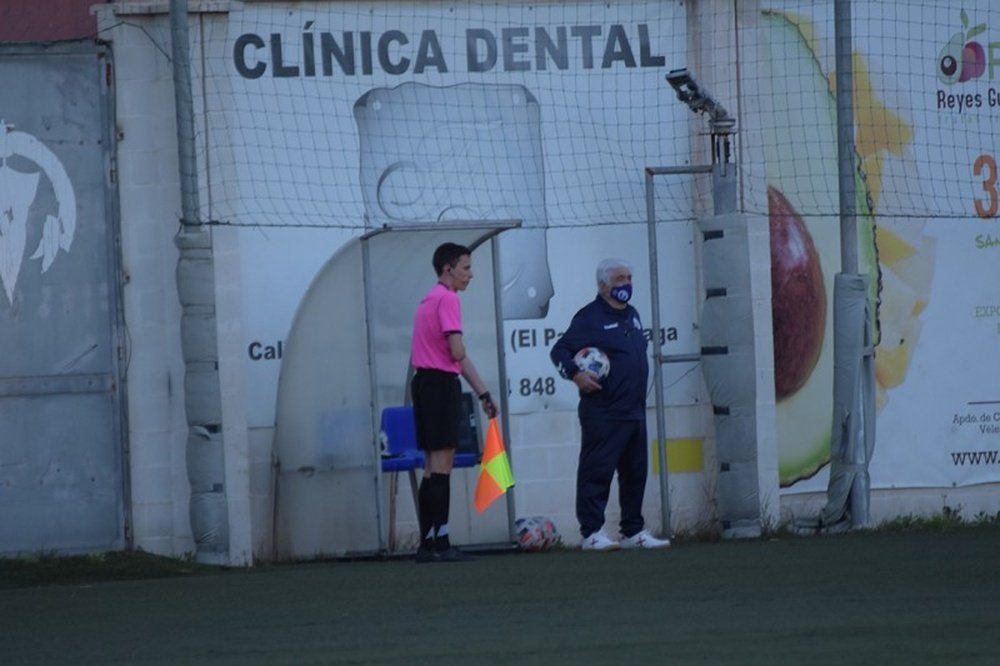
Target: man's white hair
x=605 y=267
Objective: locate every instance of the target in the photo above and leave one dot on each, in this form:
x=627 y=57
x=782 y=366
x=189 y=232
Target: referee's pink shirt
x=439 y=313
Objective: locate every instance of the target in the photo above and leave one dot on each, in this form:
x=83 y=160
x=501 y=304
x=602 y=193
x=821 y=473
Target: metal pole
x=184 y=108
x=855 y=397
x=654 y=279
x=502 y=371
x=375 y=407
x=845 y=138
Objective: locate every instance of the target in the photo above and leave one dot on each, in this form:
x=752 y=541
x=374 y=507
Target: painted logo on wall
x=18 y=190
x=962 y=59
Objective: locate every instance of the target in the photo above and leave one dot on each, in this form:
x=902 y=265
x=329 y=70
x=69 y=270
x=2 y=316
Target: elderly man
x=612 y=411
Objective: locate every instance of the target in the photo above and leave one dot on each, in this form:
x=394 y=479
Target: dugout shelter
x=346 y=359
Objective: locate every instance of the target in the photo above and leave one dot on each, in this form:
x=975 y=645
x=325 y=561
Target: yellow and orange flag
x=495 y=476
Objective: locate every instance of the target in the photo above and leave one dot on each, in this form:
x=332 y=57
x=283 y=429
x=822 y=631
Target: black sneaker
x=425 y=555
x=454 y=555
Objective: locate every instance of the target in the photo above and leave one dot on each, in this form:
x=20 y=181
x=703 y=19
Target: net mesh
x=358 y=114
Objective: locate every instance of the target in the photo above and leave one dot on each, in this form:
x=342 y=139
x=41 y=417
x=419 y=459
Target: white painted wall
x=150 y=206
x=545 y=445
x=150 y=209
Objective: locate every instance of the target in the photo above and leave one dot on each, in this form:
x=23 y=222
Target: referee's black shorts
x=437 y=408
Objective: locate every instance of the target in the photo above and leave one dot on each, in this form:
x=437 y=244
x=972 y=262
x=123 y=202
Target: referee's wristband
x=485 y=395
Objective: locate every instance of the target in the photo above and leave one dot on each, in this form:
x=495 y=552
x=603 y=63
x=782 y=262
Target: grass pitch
x=864 y=598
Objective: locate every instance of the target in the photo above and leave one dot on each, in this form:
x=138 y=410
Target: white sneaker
x=599 y=541
x=643 y=539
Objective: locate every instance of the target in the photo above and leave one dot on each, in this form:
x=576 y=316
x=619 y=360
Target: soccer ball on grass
x=536 y=533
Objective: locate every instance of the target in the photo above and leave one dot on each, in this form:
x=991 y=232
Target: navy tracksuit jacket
x=613 y=420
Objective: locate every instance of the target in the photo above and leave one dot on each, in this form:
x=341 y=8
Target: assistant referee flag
x=495 y=476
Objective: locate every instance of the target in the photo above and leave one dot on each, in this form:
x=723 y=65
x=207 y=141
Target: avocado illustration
x=803 y=206
x=950 y=59
x=962 y=60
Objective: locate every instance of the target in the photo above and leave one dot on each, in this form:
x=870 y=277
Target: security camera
x=697 y=100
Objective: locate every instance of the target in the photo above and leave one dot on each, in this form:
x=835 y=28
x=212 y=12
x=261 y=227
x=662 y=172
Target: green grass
x=50 y=568
x=921 y=595
x=948 y=519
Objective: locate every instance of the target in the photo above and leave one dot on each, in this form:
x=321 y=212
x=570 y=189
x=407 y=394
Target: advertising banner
x=927 y=115
x=347 y=118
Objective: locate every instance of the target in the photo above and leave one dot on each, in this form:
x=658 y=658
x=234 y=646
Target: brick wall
x=35 y=21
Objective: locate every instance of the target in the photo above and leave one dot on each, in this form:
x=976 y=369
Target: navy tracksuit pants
x=608 y=447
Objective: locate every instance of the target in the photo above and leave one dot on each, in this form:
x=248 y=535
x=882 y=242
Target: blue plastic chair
x=400 y=453
x=399 y=429
x=400 y=432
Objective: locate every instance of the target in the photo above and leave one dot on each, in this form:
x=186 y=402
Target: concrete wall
x=721 y=34
x=547 y=443
x=150 y=205
x=150 y=208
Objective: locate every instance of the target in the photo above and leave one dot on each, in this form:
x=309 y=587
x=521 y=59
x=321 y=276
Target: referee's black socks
x=424 y=499
x=435 y=498
x=440 y=505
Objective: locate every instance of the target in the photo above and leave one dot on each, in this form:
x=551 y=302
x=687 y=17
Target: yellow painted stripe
x=683 y=455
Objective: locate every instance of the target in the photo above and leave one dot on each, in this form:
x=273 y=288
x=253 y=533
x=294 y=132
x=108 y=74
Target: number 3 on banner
x=986 y=163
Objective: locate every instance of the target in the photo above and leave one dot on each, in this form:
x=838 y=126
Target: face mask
x=622 y=294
